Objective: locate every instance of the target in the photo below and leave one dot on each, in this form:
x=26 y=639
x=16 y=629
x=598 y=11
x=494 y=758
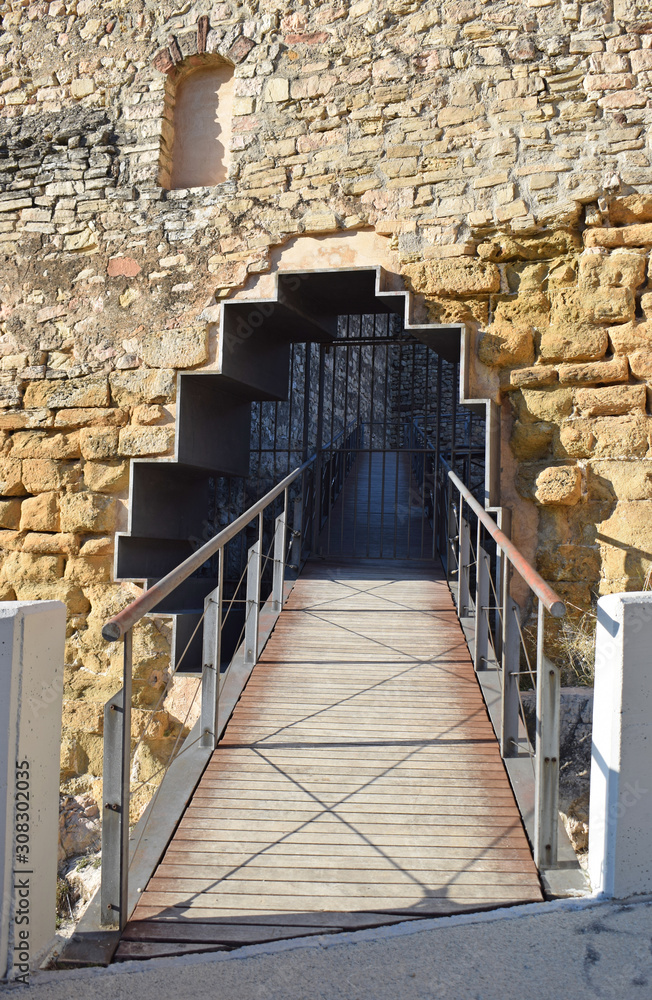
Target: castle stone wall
x=499 y=152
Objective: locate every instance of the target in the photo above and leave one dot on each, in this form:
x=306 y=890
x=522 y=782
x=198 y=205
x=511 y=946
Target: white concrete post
x=620 y=815
x=32 y=635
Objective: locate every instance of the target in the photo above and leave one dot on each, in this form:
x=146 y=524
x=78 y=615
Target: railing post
x=463 y=576
x=279 y=562
x=452 y=553
x=317 y=491
x=481 y=643
x=210 y=685
x=297 y=531
x=546 y=804
x=510 y=660
x=114 y=894
x=501 y=559
x=254 y=566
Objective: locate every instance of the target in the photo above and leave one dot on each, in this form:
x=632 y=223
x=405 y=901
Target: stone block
x=40 y=513
x=622 y=269
x=609 y=81
x=89 y=570
x=277 y=90
x=505 y=344
x=532 y=378
x=610 y=401
x=572 y=342
x=99 y=442
x=41 y=444
x=558 y=485
x=43 y=543
x=622 y=480
x=142 y=385
x=90 y=417
x=11 y=483
x=136 y=440
x=40 y=475
x=629 y=236
x=91 y=391
x=10 y=514
x=25 y=419
x=630 y=337
x=146 y=414
x=628 y=528
x=40 y=589
x=183 y=348
x=633 y=208
x=10 y=541
x=616 y=370
x=80 y=88
x=596 y=305
x=24 y=567
x=514 y=209
x=97 y=547
x=82 y=512
x=568 y=562
x=604 y=437
x=545 y=404
x=531 y=441
x=641 y=364
x=106 y=477
x=454 y=276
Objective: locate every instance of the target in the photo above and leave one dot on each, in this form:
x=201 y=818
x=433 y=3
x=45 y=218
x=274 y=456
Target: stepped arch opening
x=329 y=364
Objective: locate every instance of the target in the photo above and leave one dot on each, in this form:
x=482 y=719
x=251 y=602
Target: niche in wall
x=195 y=146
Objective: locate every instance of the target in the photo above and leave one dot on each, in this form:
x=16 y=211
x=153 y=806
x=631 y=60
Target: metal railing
x=479 y=560
x=308 y=495
x=287 y=550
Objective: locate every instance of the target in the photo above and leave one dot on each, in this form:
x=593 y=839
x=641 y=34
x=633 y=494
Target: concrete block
x=32 y=635
x=620 y=817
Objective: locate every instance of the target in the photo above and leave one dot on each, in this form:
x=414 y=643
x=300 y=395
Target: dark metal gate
x=380 y=409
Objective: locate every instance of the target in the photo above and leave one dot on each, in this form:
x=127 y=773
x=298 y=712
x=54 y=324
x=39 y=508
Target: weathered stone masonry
x=501 y=153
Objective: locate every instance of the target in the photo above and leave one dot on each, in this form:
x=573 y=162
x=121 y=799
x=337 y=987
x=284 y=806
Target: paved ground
x=544 y=951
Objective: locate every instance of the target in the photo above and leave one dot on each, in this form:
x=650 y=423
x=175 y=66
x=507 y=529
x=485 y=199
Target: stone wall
x=500 y=150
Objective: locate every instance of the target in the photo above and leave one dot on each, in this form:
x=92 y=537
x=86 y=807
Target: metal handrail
x=306 y=525
x=551 y=601
x=501 y=643
x=117 y=626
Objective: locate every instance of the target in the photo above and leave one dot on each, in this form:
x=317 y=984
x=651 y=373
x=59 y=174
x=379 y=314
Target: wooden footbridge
x=359 y=781
x=344 y=772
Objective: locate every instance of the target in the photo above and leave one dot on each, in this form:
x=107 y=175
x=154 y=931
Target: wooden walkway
x=358 y=783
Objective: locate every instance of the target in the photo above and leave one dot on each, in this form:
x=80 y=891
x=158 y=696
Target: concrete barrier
x=32 y=635
x=620 y=815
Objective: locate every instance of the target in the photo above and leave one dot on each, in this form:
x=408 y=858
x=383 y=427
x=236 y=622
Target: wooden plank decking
x=358 y=783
